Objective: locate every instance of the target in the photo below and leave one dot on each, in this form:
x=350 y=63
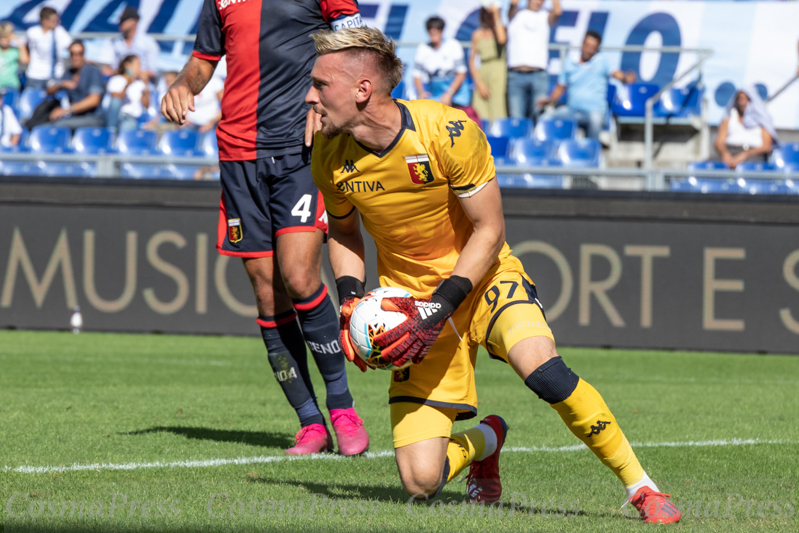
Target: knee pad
x=553 y=381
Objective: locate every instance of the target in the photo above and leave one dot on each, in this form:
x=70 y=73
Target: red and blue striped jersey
x=269 y=59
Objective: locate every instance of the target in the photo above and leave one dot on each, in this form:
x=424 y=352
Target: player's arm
x=484 y=209
x=345 y=249
x=209 y=47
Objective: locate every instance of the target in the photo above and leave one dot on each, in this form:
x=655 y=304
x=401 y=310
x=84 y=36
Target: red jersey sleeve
x=341 y=13
x=210 y=41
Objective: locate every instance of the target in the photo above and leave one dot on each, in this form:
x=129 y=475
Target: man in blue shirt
x=587 y=81
x=84 y=87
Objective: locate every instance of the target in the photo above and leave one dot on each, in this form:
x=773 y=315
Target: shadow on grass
x=252 y=438
x=449 y=495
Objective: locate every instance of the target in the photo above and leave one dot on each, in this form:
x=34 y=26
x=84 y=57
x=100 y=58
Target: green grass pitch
x=172 y=412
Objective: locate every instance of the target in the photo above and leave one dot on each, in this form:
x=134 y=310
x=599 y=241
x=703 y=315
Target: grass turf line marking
x=263 y=459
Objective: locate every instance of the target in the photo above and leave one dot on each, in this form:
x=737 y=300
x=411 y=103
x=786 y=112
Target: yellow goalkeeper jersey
x=407 y=194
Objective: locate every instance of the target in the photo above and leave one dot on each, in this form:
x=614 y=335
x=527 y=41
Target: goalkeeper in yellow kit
x=420 y=177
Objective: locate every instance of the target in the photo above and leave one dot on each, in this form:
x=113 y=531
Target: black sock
x=289 y=360
x=320 y=327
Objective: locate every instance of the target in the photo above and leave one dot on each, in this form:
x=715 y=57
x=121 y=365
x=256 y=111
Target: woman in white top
x=528 y=56
x=129 y=96
x=747 y=132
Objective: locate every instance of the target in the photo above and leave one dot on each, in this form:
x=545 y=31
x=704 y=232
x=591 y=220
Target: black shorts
x=265 y=198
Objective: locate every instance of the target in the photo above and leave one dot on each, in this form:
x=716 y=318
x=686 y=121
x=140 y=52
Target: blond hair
x=6 y=29
x=366 y=41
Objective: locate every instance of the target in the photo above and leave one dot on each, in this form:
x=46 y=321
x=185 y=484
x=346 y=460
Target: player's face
x=333 y=93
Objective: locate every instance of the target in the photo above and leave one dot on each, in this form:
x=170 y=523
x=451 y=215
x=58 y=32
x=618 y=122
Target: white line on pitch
x=262 y=459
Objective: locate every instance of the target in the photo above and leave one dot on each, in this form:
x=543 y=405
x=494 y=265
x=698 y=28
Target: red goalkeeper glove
x=411 y=340
x=350 y=291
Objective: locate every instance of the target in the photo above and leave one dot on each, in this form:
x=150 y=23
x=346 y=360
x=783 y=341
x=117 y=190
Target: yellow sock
x=463 y=448
x=588 y=417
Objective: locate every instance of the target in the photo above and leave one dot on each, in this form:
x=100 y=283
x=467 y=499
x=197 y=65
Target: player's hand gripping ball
x=369 y=320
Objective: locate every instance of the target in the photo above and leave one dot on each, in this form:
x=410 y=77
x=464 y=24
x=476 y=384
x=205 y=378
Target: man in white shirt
x=47 y=45
x=441 y=66
x=528 y=56
x=134 y=43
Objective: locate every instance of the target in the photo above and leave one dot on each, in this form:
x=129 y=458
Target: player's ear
x=363 y=90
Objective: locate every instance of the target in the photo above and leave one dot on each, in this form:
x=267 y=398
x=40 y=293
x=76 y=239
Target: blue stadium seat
x=70 y=170
x=533 y=180
x=399 y=91
x=181 y=143
x=611 y=96
x=208 y=146
x=132 y=170
x=500 y=147
x=580 y=153
x=524 y=150
x=137 y=142
x=515 y=128
x=92 y=141
x=708 y=165
x=786 y=154
x=28 y=100
x=681 y=103
x=767 y=186
x=14 y=168
x=750 y=166
x=631 y=99
x=706 y=185
x=183 y=172
x=49 y=140
x=556 y=129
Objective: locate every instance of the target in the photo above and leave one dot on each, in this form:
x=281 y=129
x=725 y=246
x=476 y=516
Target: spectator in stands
x=46 y=44
x=747 y=132
x=84 y=87
x=130 y=96
x=440 y=65
x=136 y=43
x=491 y=79
x=587 y=81
x=12 y=54
x=10 y=129
x=528 y=55
x=207 y=106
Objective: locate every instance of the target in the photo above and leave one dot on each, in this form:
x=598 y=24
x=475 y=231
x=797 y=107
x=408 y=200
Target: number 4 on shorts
x=303 y=208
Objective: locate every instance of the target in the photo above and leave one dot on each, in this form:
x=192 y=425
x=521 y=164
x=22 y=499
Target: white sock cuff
x=645 y=482
x=490 y=438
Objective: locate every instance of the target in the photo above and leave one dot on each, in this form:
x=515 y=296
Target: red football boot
x=482 y=483
x=311 y=439
x=350 y=434
x=655 y=507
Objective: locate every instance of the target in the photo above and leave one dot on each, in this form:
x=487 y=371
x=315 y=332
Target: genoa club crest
x=419 y=167
x=234 y=232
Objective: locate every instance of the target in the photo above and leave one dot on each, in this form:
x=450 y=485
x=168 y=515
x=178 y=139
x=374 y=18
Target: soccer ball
x=369 y=320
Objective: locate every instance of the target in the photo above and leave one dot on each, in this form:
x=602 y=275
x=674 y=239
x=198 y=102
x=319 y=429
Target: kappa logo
x=419 y=168
x=600 y=425
x=234 y=231
x=427 y=309
x=455 y=128
x=349 y=166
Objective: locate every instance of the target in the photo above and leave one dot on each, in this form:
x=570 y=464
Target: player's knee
x=421 y=484
x=301 y=281
x=553 y=381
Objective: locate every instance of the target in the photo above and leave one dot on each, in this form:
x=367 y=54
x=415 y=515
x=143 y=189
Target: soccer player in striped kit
x=271 y=214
